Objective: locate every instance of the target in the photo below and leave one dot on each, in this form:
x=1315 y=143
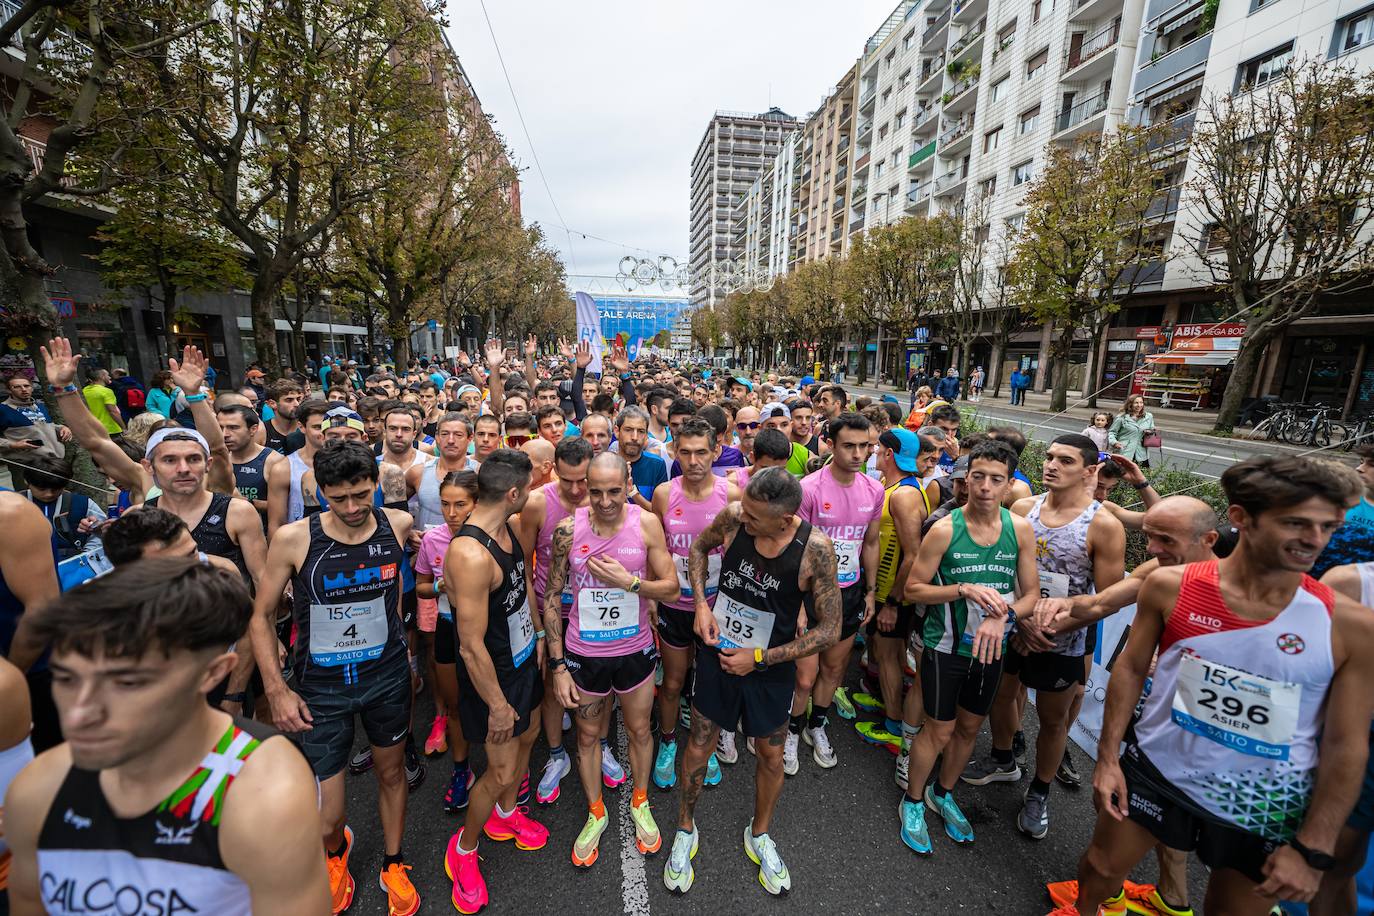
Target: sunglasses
x=517 y=440
x=744 y=426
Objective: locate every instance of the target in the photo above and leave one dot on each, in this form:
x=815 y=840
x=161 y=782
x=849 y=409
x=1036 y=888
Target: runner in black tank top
x=250 y=478
x=211 y=533
x=748 y=644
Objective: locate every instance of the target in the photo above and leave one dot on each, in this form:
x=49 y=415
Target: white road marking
x=634 y=881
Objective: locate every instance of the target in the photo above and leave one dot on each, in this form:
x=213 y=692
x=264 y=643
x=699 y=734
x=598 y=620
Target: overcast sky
x=617 y=93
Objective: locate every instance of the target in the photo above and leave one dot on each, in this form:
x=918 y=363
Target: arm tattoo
x=393 y=484
x=553 y=588
x=819 y=563
x=725 y=524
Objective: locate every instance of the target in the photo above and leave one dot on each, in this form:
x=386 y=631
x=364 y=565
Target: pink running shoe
x=469 y=888
x=437 y=742
x=528 y=834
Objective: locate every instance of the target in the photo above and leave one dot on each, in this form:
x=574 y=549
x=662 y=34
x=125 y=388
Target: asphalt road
x=836 y=830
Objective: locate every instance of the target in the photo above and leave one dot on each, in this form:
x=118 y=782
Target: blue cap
x=905 y=445
x=738 y=380
x=807 y=380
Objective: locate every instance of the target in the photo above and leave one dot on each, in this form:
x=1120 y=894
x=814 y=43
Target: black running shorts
x=524 y=690
x=953 y=682
x=445 y=641
x=410 y=606
x=381 y=700
x=675 y=627
x=1047 y=671
x=852 y=608
x=758 y=703
x=906 y=620
x=598 y=676
x=1176 y=822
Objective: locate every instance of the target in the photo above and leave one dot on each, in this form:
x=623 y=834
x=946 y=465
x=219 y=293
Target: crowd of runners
x=699 y=556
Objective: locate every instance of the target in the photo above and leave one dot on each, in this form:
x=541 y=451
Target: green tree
x=815 y=293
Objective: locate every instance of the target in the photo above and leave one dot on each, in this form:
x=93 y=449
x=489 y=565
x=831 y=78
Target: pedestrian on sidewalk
x=1130 y=428
x=949 y=386
x=1097 y=430
x=914 y=383
x=1019 y=382
x=975 y=384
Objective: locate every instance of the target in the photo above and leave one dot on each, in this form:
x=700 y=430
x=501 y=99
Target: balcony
x=968 y=40
x=917 y=195
x=1165 y=206
x=936 y=31
x=61 y=44
x=959 y=131
x=867 y=98
x=919 y=117
x=921 y=155
x=1082 y=111
x=841 y=172
x=1174 y=131
x=1090 y=10
x=961 y=95
x=856 y=224
x=1094 y=47
x=969 y=10
x=1156 y=11
x=859 y=163
x=949 y=183
x=1173 y=66
x=844 y=145
x=836 y=233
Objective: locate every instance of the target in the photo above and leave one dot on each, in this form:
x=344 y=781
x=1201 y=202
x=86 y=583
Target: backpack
x=138 y=400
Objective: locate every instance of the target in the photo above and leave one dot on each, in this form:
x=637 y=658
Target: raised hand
x=189 y=374
x=531 y=347
x=584 y=354
x=496 y=354
x=619 y=361
x=565 y=348
x=59 y=362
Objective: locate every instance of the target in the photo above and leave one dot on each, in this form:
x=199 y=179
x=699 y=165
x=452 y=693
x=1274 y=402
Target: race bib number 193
x=742 y=626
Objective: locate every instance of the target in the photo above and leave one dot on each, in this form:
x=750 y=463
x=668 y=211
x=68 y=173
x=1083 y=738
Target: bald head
x=1180 y=529
x=609 y=464
x=540 y=452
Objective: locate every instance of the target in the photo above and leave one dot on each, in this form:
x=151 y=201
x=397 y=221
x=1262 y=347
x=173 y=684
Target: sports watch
x=1321 y=861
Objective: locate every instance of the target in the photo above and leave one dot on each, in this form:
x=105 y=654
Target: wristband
x=195 y=398
x=558 y=664
x=240 y=697
x=1143 y=485
x=538 y=634
x=69 y=388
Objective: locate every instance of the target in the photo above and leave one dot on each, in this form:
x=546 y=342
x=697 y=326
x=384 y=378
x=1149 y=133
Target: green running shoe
x=677 y=871
x=876 y=734
x=867 y=704
x=842 y=704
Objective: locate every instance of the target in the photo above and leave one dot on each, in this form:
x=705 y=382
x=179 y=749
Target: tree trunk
x=994 y=380
x=1060 y=350
x=1091 y=371
x=263 y=303
x=1243 y=372
x=169 y=311
x=861 y=375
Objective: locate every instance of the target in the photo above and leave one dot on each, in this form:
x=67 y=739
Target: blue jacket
x=948 y=388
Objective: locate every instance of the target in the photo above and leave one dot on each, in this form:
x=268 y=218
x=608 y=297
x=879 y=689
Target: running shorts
x=906 y=620
x=1047 y=671
x=852 y=607
x=410 y=603
x=953 y=682
x=381 y=700
x=524 y=690
x=1178 y=823
x=758 y=703
x=598 y=675
x=675 y=627
x=445 y=641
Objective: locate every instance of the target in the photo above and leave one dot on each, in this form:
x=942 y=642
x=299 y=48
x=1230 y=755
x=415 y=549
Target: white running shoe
x=790 y=764
x=726 y=752
x=821 y=751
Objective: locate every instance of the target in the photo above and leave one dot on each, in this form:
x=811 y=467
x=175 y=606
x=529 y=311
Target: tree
x=706 y=329
x=815 y=296
x=1087 y=243
x=296 y=112
x=964 y=317
x=899 y=272
x=1283 y=177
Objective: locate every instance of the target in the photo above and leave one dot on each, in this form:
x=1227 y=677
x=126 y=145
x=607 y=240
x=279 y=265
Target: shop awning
x=1199 y=351
x=308 y=327
x=1191 y=359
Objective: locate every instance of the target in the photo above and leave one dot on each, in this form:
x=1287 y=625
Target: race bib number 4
x=345 y=634
x=847 y=562
x=712 y=575
x=1250 y=714
x=521 y=627
x=742 y=626
x=607 y=614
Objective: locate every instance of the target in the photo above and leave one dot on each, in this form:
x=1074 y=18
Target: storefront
x=1191 y=366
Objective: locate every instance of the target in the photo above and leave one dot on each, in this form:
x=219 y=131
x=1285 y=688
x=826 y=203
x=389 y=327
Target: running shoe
x=459 y=784
x=1068 y=773
x=763 y=852
x=612 y=773
x=1136 y=898
x=982 y=772
x=665 y=765
x=437 y=742
x=528 y=835
x=401 y=897
x=415 y=770
x=1034 y=819
x=843 y=706
x=726 y=752
x=878 y=736
x=790 y=764
x=957 y=827
x=1018 y=748
x=866 y=703
x=821 y=751
x=712 y=771
x=899 y=773
x=677 y=871
x=554 y=770
x=587 y=846
x=341 y=884
x=1105 y=909
x=522 y=796
x=915 y=835
x=361 y=762
x=647 y=837
x=469 y=888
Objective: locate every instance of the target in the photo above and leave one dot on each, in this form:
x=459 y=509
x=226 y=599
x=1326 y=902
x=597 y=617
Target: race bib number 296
x=1250 y=714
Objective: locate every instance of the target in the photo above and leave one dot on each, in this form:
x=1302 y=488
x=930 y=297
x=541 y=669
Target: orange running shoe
x=1114 y=907
x=340 y=878
x=401 y=897
x=1062 y=893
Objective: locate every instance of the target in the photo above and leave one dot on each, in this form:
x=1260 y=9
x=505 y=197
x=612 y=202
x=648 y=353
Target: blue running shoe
x=665 y=765
x=957 y=827
x=914 y=833
x=456 y=798
x=712 y=771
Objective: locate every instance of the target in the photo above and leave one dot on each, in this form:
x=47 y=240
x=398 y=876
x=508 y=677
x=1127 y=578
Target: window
x=1006 y=35
x=1035 y=12
x=1036 y=63
x=1030 y=120
x=999 y=89
x=992 y=139
x=982 y=234
x=906 y=42
x=904 y=80
x=1355 y=31
x=896 y=158
x=878 y=171
x=1021 y=174
x=898 y=121
x=1260 y=70
x=1214 y=238
x=882 y=132
x=887 y=61
x=887 y=95
x=1015 y=224
x=988 y=186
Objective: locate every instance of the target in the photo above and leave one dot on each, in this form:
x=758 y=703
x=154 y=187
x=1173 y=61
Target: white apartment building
x=765 y=217
x=735 y=148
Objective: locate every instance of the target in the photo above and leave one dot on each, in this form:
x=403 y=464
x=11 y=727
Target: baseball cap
x=775 y=409
x=342 y=416
x=254 y=373
x=807 y=380
x=960 y=468
x=740 y=380
x=905 y=445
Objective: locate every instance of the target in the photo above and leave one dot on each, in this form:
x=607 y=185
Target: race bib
x=566 y=597
x=976 y=614
x=1054 y=584
x=742 y=626
x=445 y=609
x=607 y=614
x=847 y=562
x=1250 y=714
x=345 y=634
x=712 y=575
x=521 y=626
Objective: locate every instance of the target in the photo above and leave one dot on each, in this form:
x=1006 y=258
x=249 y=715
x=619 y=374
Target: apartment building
x=765 y=217
x=824 y=183
x=734 y=150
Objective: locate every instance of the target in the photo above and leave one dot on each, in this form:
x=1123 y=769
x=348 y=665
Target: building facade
x=823 y=183
x=735 y=149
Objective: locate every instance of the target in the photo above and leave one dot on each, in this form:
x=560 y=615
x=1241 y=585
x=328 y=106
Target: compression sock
x=1039 y=788
x=819 y=715
x=388 y=861
x=937 y=790
x=597 y=808
x=641 y=796
x=1002 y=756
x=796 y=723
